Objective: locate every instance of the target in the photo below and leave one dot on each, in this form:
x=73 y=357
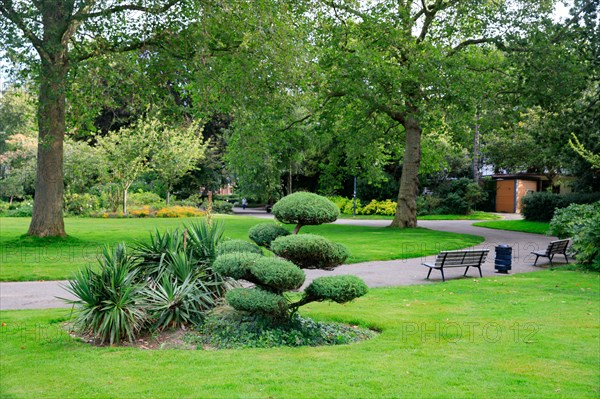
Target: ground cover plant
x=527 y=335
x=524 y=226
x=30 y=258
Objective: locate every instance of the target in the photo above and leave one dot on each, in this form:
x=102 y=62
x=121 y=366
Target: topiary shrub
x=274 y=276
x=264 y=233
x=258 y=300
x=232 y=246
x=310 y=251
x=340 y=289
x=236 y=265
x=305 y=209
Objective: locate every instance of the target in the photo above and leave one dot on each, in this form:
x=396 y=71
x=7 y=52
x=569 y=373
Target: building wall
x=505 y=196
x=523 y=187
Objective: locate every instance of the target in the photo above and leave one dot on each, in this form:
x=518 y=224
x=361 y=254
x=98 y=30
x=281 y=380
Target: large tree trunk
x=47 y=217
x=406 y=209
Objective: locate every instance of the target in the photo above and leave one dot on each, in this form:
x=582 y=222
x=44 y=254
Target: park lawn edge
x=524 y=226
x=500 y=336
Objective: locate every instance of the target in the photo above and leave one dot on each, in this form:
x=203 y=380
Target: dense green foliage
x=305 y=209
x=310 y=251
x=459 y=196
x=453 y=197
x=230 y=246
x=566 y=221
x=264 y=233
x=540 y=206
x=582 y=224
x=586 y=243
x=340 y=289
x=238 y=330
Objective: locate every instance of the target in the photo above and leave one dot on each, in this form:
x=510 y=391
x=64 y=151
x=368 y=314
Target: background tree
x=127 y=152
x=176 y=152
x=404 y=62
x=60 y=32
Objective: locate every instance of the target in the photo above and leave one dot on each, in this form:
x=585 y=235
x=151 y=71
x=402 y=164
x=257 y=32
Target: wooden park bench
x=463 y=258
x=558 y=247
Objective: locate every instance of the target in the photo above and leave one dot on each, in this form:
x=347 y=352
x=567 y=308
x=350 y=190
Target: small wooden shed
x=511 y=188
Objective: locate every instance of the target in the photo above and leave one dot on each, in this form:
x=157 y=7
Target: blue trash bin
x=503 y=261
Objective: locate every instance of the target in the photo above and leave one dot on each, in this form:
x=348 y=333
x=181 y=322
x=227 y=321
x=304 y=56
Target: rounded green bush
x=310 y=251
x=264 y=233
x=256 y=300
x=231 y=246
x=338 y=289
x=305 y=209
x=236 y=265
x=278 y=274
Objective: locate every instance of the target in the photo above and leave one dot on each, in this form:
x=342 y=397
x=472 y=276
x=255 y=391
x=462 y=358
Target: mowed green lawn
x=26 y=258
x=524 y=226
x=533 y=335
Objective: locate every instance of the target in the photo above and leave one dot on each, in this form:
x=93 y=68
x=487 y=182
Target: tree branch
x=9 y=13
x=346 y=8
x=74 y=23
x=471 y=42
x=79 y=16
x=573 y=20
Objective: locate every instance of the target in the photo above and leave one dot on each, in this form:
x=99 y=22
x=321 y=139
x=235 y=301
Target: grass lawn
x=521 y=336
x=472 y=216
x=27 y=258
x=517 y=225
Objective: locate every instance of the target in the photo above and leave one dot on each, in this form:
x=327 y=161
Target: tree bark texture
x=406 y=208
x=47 y=218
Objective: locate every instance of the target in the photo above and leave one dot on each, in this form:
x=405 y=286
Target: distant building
x=511 y=188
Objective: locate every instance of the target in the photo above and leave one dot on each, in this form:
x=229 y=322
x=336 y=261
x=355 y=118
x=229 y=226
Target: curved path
x=42 y=294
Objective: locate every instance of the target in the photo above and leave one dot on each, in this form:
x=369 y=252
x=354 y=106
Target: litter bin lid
x=503 y=246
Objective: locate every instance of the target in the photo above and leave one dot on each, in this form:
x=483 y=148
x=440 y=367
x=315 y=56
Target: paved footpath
x=43 y=294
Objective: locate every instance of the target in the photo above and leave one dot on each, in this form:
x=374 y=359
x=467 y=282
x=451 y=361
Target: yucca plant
x=110 y=302
x=204 y=239
x=174 y=303
x=151 y=254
